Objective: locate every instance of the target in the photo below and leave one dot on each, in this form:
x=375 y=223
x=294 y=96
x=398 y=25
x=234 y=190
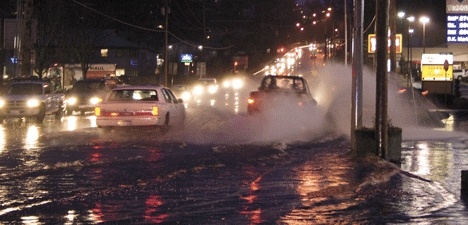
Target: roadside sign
x=437 y=67
x=372 y=43
x=437 y=73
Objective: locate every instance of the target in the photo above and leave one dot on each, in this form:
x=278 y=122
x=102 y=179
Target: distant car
x=140 y=106
x=460 y=73
x=182 y=91
x=204 y=86
x=292 y=91
x=86 y=94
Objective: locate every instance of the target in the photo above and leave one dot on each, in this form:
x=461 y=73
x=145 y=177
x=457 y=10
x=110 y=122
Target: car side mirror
x=180 y=100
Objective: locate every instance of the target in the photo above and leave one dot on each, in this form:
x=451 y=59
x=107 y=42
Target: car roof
x=29 y=82
x=90 y=80
x=286 y=77
x=132 y=87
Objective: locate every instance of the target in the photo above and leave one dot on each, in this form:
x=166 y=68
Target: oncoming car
x=205 y=86
x=85 y=95
x=140 y=106
x=285 y=91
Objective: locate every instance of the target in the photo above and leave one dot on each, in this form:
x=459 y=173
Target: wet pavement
x=85 y=177
x=225 y=167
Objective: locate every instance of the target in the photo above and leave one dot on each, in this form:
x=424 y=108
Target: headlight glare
x=31 y=103
x=94 y=100
x=72 y=101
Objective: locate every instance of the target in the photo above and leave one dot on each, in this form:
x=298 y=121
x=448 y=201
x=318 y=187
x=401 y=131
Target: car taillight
x=250 y=101
x=155 y=111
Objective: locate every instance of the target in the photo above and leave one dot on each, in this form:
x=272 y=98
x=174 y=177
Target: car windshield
x=88 y=86
x=25 y=89
x=133 y=95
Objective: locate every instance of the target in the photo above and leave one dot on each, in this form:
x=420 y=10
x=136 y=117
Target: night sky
x=436 y=29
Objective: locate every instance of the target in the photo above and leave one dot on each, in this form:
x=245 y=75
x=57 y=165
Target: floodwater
x=226 y=167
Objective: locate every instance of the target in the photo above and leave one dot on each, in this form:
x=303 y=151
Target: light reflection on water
x=32 y=135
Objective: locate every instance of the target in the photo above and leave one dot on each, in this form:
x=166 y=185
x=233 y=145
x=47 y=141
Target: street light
x=424 y=20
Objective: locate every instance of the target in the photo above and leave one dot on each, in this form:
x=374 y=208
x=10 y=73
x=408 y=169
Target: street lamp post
x=410 y=31
x=410 y=52
x=424 y=20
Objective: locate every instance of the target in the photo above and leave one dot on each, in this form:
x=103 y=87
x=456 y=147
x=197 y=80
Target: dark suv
x=85 y=94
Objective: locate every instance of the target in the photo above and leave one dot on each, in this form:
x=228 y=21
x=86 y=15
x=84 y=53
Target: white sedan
x=140 y=106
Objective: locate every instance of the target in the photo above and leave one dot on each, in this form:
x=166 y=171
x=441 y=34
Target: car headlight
x=2 y=103
x=198 y=90
x=185 y=96
x=72 y=101
x=226 y=84
x=31 y=103
x=237 y=84
x=212 y=89
x=94 y=100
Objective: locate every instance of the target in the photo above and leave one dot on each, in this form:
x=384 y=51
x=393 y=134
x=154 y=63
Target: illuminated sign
x=457 y=28
x=456 y=7
x=186 y=58
x=457 y=21
x=372 y=43
x=432 y=67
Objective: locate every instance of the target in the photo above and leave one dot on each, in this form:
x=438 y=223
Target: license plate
x=14 y=112
x=124 y=122
x=126 y=113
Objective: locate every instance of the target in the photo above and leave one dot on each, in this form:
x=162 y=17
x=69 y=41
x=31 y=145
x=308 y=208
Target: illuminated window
x=104 y=52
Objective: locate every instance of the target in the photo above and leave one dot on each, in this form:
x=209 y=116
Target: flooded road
x=226 y=167
x=54 y=175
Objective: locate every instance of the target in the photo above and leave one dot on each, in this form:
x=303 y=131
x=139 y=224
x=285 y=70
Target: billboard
x=372 y=43
x=457 y=21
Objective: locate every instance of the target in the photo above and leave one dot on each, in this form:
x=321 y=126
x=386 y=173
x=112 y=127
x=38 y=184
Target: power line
x=147 y=29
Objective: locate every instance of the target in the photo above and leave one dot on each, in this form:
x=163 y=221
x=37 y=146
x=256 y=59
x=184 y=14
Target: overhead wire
x=148 y=29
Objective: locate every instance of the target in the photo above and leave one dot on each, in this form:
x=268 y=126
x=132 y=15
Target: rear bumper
x=128 y=121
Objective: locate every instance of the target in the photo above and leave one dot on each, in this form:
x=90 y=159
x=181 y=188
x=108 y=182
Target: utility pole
x=346 y=33
x=2 y=50
x=166 y=44
x=392 y=24
x=356 y=117
x=381 y=118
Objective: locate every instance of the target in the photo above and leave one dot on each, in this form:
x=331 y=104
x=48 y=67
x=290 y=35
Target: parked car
x=459 y=74
x=292 y=91
x=31 y=99
x=140 y=106
x=86 y=94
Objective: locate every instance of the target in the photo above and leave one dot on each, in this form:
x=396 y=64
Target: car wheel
x=40 y=117
x=165 y=126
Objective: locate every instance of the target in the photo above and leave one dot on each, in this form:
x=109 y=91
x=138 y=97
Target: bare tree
x=47 y=16
x=80 y=33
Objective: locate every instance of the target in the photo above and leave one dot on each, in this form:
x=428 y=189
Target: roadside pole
x=381 y=119
x=356 y=110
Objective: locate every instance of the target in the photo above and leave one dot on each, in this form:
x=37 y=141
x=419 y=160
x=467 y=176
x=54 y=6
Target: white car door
x=174 y=106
